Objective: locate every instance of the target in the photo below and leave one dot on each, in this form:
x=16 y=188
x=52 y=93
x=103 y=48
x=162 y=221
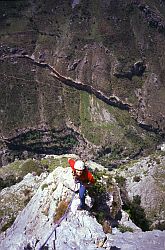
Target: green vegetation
x=34 y=141
x=100 y=192
x=98 y=188
x=30 y=166
x=124 y=229
x=137 y=213
x=8 y=224
x=127 y=165
x=113 y=129
x=52 y=163
x=120 y=180
x=87 y=126
x=91 y=126
x=133 y=208
x=14 y=172
x=9 y=181
x=69 y=141
x=72 y=104
x=45 y=185
x=100 y=216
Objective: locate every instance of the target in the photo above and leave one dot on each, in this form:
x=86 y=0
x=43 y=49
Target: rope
x=59 y=221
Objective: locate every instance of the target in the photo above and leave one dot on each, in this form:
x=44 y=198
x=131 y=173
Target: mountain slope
x=107 y=58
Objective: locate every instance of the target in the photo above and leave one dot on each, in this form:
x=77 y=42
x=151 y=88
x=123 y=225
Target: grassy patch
x=72 y=103
x=124 y=229
x=120 y=180
x=52 y=163
x=61 y=209
x=14 y=172
x=30 y=166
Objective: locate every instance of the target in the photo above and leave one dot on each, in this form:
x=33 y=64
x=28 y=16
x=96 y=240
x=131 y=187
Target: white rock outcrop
x=35 y=223
x=145 y=178
x=14 y=198
x=78 y=231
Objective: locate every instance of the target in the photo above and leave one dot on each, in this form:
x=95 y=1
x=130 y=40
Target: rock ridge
x=80 y=231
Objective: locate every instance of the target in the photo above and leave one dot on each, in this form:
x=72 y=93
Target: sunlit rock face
x=81 y=74
x=145 y=178
x=15 y=198
x=36 y=222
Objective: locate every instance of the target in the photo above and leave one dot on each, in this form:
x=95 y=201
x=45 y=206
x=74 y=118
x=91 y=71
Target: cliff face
x=81 y=75
x=143 y=184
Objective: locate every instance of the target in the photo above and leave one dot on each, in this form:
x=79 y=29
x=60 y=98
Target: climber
x=84 y=177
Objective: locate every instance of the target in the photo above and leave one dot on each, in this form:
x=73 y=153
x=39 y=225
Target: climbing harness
x=59 y=221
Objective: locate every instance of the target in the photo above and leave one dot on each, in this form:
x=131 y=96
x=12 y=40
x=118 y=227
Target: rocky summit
x=82 y=79
x=51 y=217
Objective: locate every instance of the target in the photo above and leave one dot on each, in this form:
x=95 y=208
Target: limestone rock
x=13 y=199
x=145 y=178
x=154 y=240
x=34 y=225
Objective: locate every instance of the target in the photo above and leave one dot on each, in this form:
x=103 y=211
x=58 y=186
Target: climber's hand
x=69 y=159
x=87 y=185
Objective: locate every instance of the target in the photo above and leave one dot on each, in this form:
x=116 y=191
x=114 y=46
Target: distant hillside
x=83 y=77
